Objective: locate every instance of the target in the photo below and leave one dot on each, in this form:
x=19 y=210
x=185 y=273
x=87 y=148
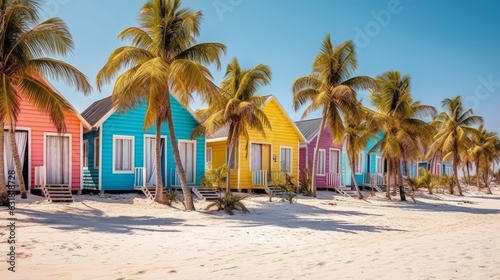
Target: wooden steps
x=57 y=193
x=150 y=192
x=276 y=191
x=347 y=192
x=209 y=193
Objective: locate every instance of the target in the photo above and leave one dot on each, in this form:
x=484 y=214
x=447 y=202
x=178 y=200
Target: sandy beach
x=125 y=236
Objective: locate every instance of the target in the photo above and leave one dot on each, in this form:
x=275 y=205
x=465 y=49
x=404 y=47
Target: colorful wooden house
x=120 y=154
x=254 y=165
x=328 y=169
x=46 y=155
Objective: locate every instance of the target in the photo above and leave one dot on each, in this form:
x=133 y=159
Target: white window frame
x=85 y=157
x=208 y=163
x=132 y=156
x=195 y=155
x=97 y=152
x=291 y=159
x=379 y=168
x=339 y=158
x=359 y=164
x=323 y=164
x=235 y=157
x=70 y=168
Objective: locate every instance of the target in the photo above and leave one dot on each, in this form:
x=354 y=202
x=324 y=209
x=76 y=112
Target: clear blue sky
x=448 y=48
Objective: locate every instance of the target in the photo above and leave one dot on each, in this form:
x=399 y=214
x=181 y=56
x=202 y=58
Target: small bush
x=229 y=202
x=170 y=197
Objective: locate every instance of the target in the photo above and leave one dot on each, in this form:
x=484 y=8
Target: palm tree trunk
x=315 y=157
x=231 y=146
x=395 y=174
x=159 y=179
x=468 y=173
x=186 y=191
x=488 y=189
x=17 y=162
x=478 y=183
x=4 y=198
x=389 y=167
x=455 y=168
x=352 y=163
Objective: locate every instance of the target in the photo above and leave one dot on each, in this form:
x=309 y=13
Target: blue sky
x=448 y=48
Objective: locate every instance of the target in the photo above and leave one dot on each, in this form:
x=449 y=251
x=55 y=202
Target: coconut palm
x=162 y=60
x=399 y=118
x=24 y=43
x=237 y=108
x=455 y=125
x=331 y=88
x=483 y=150
x=357 y=133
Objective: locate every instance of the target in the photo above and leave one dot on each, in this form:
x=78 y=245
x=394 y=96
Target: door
x=150 y=159
x=188 y=152
x=334 y=161
x=11 y=176
x=57 y=159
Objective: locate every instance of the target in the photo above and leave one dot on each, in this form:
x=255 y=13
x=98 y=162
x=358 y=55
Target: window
x=85 y=154
x=334 y=161
x=320 y=168
x=187 y=149
x=286 y=160
x=208 y=160
x=123 y=154
x=97 y=152
x=359 y=164
x=232 y=160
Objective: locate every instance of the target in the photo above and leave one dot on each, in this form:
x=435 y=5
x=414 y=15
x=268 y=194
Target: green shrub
x=170 y=197
x=215 y=176
x=229 y=202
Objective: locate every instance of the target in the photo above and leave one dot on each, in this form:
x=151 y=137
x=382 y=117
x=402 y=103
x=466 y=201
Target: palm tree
x=455 y=125
x=357 y=133
x=163 y=59
x=399 y=118
x=331 y=88
x=237 y=108
x=483 y=150
x=24 y=41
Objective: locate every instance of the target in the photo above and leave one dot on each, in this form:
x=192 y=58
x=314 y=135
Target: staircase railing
x=139 y=177
x=259 y=177
x=332 y=179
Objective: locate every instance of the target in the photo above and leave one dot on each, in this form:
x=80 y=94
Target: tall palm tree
x=24 y=42
x=399 y=118
x=483 y=150
x=455 y=125
x=163 y=59
x=331 y=88
x=237 y=108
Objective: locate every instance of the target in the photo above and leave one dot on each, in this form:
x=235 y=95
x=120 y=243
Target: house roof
x=96 y=112
x=101 y=110
x=309 y=128
x=221 y=134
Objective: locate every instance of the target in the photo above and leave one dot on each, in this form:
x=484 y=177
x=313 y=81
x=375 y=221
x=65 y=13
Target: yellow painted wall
x=282 y=135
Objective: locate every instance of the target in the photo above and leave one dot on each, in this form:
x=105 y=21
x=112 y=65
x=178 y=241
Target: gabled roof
x=309 y=128
x=101 y=110
x=221 y=134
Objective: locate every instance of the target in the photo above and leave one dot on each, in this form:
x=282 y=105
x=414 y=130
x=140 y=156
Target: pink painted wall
x=326 y=144
x=39 y=123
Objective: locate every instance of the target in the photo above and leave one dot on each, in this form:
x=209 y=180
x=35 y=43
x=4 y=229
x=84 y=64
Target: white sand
x=332 y=237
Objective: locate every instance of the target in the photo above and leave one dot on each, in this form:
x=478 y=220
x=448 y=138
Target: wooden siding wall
x=131 y=124
x=40 y=123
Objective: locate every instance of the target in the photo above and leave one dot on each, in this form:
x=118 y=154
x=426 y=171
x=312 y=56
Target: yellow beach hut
x=254 y=164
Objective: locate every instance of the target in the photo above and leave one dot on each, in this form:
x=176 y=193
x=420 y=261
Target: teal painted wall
x=130 y=124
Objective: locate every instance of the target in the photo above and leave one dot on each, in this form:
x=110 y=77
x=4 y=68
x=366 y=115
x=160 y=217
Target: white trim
x=299 y=133
x=70 y=148
x=208 y=150
x=360 y=162
x=195 y=155
x=291 y=158
x=82 y=151
x=324 y=163
x=132 y=156
x=216 y=139
x=98 y=138
x=105 y=117
x=250 y=154
x=27 y=129
x=377 y=158
x=100 y=157
x=164 y=137
x=82 y=155
x=339 y=160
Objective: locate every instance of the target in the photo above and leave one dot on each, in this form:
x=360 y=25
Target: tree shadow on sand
x=297 y=215
x=94 y=220
x=464 y=205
